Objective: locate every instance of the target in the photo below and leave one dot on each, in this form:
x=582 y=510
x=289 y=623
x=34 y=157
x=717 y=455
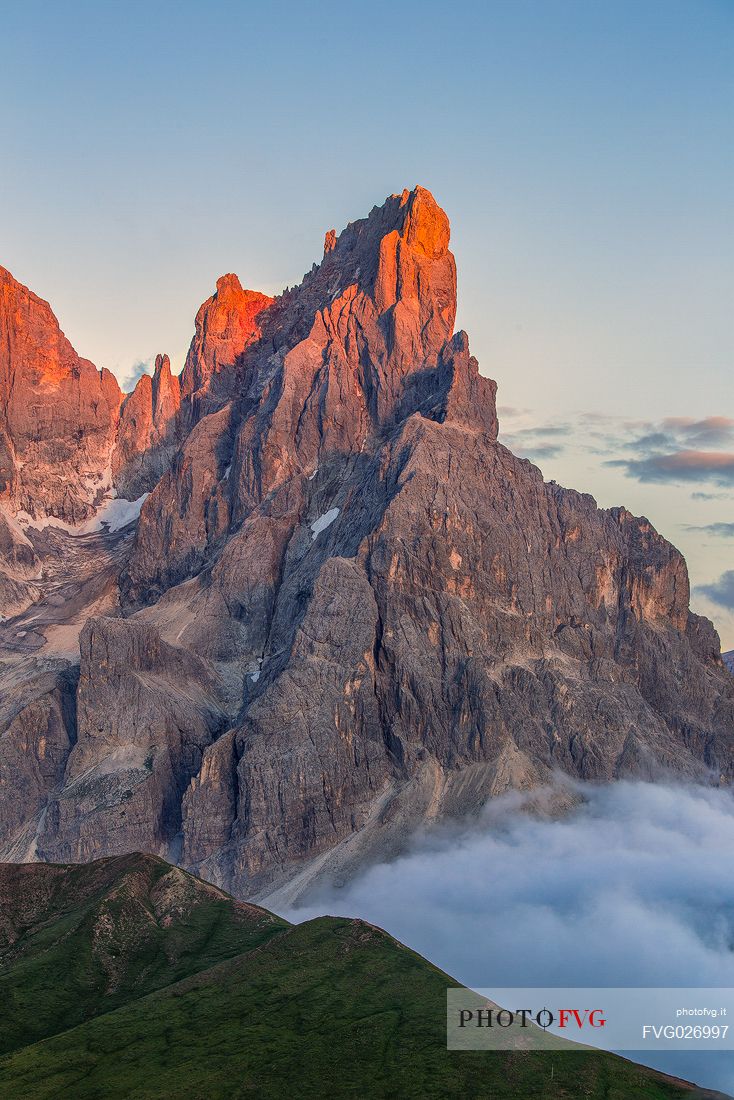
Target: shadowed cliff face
x=347 y=608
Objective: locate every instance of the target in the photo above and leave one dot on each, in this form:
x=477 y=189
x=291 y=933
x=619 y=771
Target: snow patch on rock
x=117 y=513
x=113 y=514
x=323 y=522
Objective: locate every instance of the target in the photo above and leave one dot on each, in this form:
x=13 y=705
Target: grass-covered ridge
x=127 y=978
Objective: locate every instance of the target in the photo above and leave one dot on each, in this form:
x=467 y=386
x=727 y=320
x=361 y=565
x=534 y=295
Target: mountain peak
x=162 y=366
x=427 y=224
x=149 y=431
x=60 y=412
x=229 y=282
x=225 y=325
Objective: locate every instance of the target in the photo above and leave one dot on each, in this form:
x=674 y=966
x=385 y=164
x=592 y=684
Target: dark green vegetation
x=129 y=979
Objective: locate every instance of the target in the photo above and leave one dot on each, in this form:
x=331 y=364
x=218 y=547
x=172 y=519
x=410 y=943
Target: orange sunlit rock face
x=225 y=324
x=60 y=412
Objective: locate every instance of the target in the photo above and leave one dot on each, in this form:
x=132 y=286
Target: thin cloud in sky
x=712 y=466
x=720 y=592
x=721 y=530
x=673 y=450
x=541 y=451
x=712 y=431
x=537 y=441
x=702 y=495
x=129 y=379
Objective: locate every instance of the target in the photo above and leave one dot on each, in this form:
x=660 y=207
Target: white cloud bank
x=633 y=889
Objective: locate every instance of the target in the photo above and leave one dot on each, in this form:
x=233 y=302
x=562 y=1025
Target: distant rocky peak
x=166 y=391
x=149 y=431
x=58 y=413
x=162 y=366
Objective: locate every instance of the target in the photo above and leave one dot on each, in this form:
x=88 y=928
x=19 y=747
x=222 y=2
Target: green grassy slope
x=333 y=1007
x=80 y=940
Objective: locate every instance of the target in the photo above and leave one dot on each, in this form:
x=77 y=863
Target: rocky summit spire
x=149 y=431
x=225 y=324
x=364 y=342
x=381 y=306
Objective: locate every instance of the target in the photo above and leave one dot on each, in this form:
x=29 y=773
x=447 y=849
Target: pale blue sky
x=583 y=150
